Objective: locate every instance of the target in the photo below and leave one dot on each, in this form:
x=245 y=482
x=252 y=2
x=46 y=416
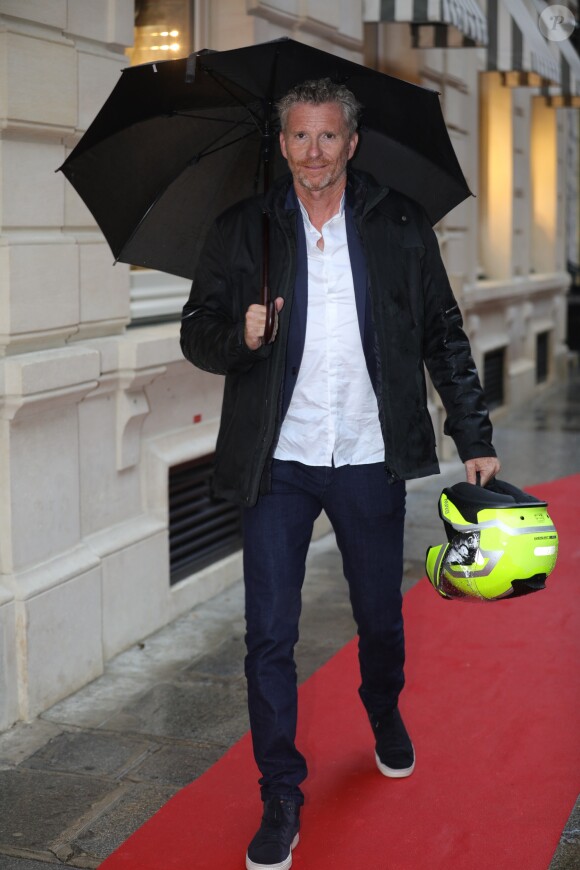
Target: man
x=332 y=415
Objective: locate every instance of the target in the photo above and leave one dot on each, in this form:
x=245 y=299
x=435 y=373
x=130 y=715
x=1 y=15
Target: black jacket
x=415 y=317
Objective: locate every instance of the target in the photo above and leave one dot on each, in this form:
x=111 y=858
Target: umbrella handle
x=269 y=329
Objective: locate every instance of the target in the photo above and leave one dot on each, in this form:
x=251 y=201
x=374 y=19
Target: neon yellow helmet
x=501 y=542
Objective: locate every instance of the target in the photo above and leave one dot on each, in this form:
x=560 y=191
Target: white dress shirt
x=333 y=414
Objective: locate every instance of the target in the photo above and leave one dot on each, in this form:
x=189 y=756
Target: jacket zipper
x=392 y=476
x=264 y=461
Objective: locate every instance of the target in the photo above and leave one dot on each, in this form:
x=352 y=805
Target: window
x=163 y=29
x=202 y=530
x=493 y=377
x=542 y=348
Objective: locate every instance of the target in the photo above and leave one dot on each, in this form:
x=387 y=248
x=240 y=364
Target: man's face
x=317 y=145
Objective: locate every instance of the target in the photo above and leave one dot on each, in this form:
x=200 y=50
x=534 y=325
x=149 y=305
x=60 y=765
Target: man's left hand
x=486 y=466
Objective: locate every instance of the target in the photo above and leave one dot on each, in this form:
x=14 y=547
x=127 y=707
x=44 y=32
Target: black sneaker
x=277 y=836
x=395 y=755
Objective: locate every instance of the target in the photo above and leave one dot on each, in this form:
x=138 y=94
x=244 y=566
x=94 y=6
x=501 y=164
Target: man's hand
x=486 y=466
x=256 y=323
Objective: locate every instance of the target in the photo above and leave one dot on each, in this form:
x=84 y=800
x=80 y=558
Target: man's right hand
x=256 y=323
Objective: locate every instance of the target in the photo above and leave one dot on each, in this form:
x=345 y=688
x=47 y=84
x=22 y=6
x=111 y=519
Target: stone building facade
x=96 y=404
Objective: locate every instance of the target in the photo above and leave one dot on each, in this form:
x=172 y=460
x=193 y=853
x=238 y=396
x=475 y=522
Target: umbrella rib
x=221 y=147
x=242 y=122
x=218 y=81
x=232 y=126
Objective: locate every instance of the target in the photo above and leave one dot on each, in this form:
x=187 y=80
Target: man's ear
x=352 y=145
x=283 y=145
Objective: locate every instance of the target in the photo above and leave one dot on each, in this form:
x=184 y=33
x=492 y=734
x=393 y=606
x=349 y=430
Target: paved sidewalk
x=76 y=782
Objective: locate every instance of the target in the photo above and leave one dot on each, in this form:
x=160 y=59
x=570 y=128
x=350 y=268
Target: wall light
x=162 y=28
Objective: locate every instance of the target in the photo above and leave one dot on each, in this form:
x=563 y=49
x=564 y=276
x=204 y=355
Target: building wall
x=93 y=413
x=523 y=285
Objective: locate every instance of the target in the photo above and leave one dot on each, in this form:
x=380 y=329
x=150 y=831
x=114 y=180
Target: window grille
x=542 y=347
x=493 y=377
x=202 y=530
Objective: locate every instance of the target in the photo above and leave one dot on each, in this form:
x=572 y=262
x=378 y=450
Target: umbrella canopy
x=179 y=141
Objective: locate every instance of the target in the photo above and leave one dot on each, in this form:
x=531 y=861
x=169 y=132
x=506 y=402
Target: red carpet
x=492 y=704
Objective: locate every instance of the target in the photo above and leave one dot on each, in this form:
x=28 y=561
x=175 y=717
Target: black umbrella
x=179 y=141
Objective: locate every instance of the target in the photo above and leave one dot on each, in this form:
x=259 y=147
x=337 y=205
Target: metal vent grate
x=202 y=530
x=542 y=347
x=493 y=377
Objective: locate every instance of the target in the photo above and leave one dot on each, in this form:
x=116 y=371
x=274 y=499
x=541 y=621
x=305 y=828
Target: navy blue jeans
x=367 y=514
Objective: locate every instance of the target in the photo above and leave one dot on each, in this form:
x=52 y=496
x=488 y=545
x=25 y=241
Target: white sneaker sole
x=282 y=865
x=393 y=772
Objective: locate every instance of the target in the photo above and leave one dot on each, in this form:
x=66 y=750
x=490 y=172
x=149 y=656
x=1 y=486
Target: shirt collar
x=339 y=214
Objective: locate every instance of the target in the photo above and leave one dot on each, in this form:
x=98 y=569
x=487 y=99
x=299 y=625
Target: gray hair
x=321 y=91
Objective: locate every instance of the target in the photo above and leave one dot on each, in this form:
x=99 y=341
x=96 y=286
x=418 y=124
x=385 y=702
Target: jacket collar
x=362 y=193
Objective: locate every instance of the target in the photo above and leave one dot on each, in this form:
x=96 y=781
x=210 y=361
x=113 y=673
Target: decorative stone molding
x=295 y=20
x=130 y=363
x=132 y=408
x=527 y=311
x=490 y=292
x=115 y=538
x=50 y=574
x=35 y=382
x=168 y=450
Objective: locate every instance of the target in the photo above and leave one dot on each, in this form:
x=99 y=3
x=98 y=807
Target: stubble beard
x=311 y=184
x=322 y=183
